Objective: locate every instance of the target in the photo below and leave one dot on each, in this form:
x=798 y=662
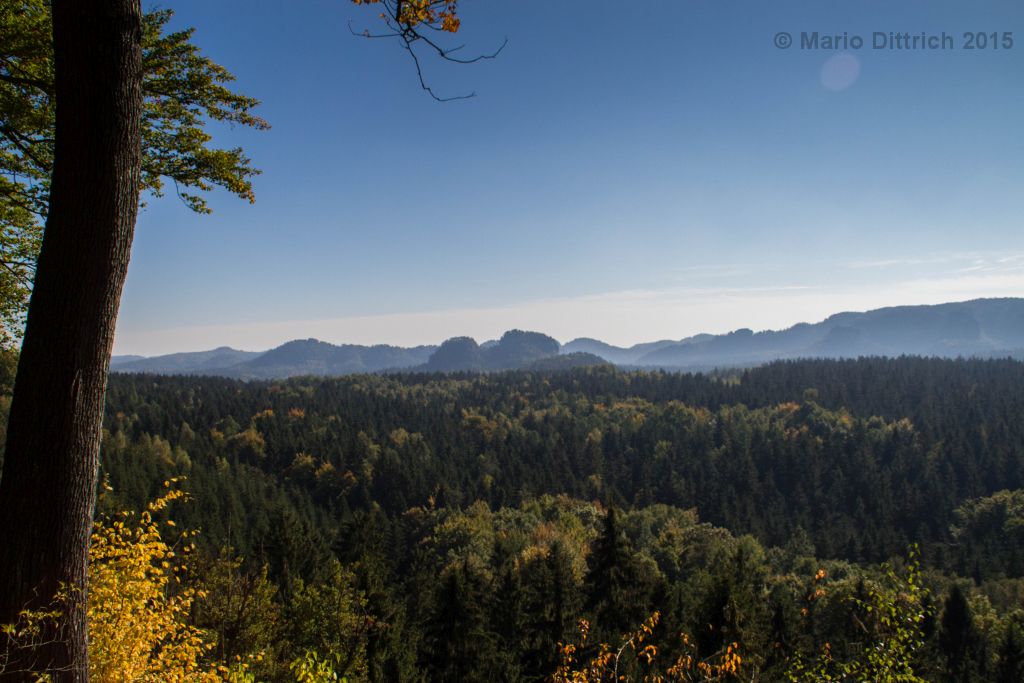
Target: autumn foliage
x=411 y=14
x=138 y=608
x=635 y=660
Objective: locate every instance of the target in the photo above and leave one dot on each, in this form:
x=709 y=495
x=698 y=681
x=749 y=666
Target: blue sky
x=629 y=171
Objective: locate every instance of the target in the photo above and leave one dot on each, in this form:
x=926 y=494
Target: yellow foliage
x=138 y=609
x=607 y=665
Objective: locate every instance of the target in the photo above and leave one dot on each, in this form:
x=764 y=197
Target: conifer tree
x=958 y=638
x=458 y=643
x=614 y=592
x=1010 y=658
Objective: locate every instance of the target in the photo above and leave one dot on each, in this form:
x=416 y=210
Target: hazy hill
x=299 y=357
x=623 y=355
x=193 y=363
x=314 y=357
x=122 y=360
x=457 y=353
x=515 y=349
x=567 y=361
x=982 y=327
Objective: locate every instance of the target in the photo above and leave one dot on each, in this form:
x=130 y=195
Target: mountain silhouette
x=979 y=328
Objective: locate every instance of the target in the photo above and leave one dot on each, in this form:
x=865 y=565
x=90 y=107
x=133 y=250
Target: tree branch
x=34 y=82
x=408 y=32
x=23 y=144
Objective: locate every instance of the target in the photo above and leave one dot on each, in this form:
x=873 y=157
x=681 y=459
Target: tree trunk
x=48 y=484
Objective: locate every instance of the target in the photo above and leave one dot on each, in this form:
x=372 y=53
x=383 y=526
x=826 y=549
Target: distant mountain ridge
x=314 y=357
x=183 y=363
x=515 y=349
x=291 y=359
x=982 y=328
x=625 y=356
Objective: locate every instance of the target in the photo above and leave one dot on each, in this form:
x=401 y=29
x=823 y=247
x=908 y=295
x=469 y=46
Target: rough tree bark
x=48 y=484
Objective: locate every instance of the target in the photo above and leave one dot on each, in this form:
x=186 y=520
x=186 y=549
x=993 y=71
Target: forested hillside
x=464 y=523
x=457 y=527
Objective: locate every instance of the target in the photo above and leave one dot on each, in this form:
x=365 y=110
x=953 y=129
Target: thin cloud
x=973 y=258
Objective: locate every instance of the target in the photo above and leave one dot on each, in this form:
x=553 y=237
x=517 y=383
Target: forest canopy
x=468 y=522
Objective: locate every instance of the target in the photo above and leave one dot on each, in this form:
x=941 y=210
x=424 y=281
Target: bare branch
x=446 y=54
x=408 y=30
x=365 y=33
x=423 y=83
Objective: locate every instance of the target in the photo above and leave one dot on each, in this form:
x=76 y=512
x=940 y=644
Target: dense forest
x=457 y=527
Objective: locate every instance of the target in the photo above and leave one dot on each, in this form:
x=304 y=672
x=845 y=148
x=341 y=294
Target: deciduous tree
x=47 y=492
x=182 y=90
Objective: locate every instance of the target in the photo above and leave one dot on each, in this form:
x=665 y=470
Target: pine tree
x=1010 y=659
x=458 y=643
x=615 y=594
x=958 y=638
